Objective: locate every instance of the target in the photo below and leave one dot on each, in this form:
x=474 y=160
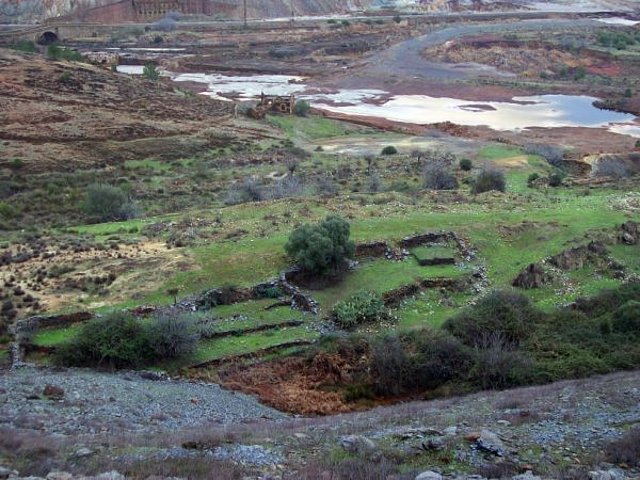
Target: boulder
x=7 y=473
x=59 y=476
x=112 y=475
x=357 y=444
x=630 y=234
x=53 y=392
x=532 y=277
x=528 y=475
x=429 y=475
x=612 y=474
x=489 y=442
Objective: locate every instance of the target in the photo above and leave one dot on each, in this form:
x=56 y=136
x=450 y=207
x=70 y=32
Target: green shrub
x=55 y=52
x=497 y=364
x=489 y=179
x=607 y=301
x=323 y=248
x=117 y=340
x=26 y=46
x=106 y=203
x=466 y=164
x=532 y=178
x=439 y=357
x=150 y=72
x=507 y=314
x=16 y=163
x=8 y=211
x=389 y=150
x=362 y=307
x=301 y=108
x=626 y=319
x=121 y=340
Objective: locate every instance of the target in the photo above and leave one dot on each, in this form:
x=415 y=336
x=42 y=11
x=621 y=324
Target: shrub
x=489 y=179
x=555 y=179
x=150 y=72
x=501 y=312
x=172 y=335
x=625 y=449
x=389 y=366
x=323 y=248
x=362 y=307
x=626 y=319
x=466 y=164
x=301 y=108
x=439 y=358
x=532 y=178
x=108 y=203
x=249 y=190
x=116 y=341
x=389 y=150
x=326 y=187
x=637 y=143
x=552 y=154
x=120 y=340
x=497 y=363
x=55 y=52
x=436 y=176
x=16 y=163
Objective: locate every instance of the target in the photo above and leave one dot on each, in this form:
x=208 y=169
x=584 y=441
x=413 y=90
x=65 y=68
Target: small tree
x=321 y=249
x=389 y=150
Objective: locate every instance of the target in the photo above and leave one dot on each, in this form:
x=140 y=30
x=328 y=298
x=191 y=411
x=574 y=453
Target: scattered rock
x=59 y=476
x=357 y=444
x=490 y=442
x=153 y=376
x=612 y=474
x=83 y=452
x=528 y=475
x=7 y=473
x=429 y=475
x=112 y=475
x=450 y=431
x=53 y=392
x=504 y=423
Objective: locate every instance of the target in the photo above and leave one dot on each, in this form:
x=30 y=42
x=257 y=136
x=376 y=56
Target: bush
x=555 y=179
x=626 y=319
x=362 y=307
x=389 y=366
x=497 y=364
x=389 y=150
x=116 y=341
x=301 y=108
x=552 y=154
x=532 y=178
x=120 y=340
x=501 y=312
x=436 y=176
x=250 y=190
x=489 y=179
x=466 y=164
x=439 y=358
x=150 y=72
x=106 y=203
x=172 y=335
x=323 y=248
x=625 y=449
x=55 y=52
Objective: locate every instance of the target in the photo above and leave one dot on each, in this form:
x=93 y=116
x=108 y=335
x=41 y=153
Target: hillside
x=142 y=424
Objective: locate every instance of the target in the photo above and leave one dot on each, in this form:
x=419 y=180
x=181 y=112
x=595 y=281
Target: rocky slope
x=568 y=430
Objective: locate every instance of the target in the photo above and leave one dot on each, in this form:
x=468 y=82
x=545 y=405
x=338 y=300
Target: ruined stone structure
x=273 y=103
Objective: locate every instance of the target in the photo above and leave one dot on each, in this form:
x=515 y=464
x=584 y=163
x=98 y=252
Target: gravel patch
x=96 y=402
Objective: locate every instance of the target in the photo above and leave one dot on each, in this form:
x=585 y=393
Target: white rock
x=357 y=443
x=528 y=475
x=112 y=475
x=429 y=475
x=450 y=431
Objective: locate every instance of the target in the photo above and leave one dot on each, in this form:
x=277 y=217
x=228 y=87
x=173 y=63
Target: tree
x=321 y=249
x=107 y=203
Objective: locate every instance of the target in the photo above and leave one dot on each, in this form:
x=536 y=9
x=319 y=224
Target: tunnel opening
x=47 y=38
